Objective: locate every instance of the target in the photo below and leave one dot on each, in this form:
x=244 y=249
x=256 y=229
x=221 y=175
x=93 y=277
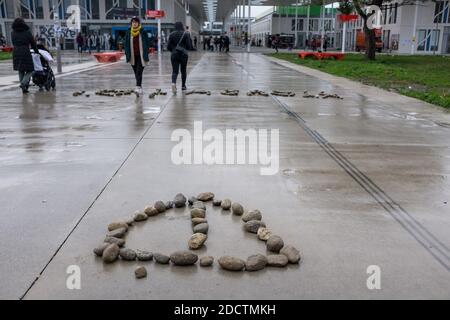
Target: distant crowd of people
x=218 y=43
x=95 y=42
x=2 y=40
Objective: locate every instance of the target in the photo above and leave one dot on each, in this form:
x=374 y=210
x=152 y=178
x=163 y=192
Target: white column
x=322 y=32
x=413 y=37
x=296 y=24
x=159 y=29
x=102 y=8
x=307 y=24
x=249 y=48
x=343 y=36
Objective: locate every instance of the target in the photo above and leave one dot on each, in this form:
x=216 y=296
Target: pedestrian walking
x=2 y=40
x=22 y=40
x=136 y=50
x=179 y=44
x=276 y=42
x=80 y=43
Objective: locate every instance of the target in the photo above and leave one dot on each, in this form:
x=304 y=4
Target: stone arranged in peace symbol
x=113 y=246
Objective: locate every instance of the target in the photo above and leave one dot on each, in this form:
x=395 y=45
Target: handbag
x=179 y=49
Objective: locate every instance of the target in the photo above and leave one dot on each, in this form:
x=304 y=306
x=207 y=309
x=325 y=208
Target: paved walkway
x=362 y=182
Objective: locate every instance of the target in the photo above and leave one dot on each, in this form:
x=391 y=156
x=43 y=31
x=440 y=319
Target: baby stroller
x=43 y=75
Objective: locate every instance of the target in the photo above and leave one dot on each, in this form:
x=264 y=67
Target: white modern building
x=310 y=19
x=99 y=16
x=421 y=27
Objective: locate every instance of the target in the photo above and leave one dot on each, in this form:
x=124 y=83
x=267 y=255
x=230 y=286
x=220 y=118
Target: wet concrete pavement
x=361 y=182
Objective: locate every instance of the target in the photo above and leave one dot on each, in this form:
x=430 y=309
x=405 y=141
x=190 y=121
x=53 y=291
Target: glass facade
x=441 y=12
x=428 y=40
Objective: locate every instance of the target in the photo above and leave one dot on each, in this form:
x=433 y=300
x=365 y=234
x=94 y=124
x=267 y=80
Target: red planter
x=108 y=57
x=7 y=49
x=347 y=17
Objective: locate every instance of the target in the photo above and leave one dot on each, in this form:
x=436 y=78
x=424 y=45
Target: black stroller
x=43 y=75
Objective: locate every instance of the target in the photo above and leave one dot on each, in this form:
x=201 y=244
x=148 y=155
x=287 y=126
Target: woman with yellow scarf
x=136 y=51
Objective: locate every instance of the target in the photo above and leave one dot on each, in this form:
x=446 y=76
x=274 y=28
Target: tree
x=371 y=46
x=370 y=37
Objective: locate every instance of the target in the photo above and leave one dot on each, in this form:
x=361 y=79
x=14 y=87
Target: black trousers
x=138 y=70
x=179 y=61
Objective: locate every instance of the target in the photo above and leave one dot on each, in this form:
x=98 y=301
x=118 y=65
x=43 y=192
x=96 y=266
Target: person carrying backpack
x=179 y=44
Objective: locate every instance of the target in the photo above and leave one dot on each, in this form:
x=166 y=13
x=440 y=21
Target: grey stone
x=112 y=240
x=144 y=255
x=117 y=233
x=206 y=261
x=130 y=221
x=252 y=215
x=140 y=272
x=217 y=203
x=253 y=226
x=205 y=196
x=231 y=263
x=111 y=253
x=226 y=204
x=237 y=209
x=117 y=225
x=127 y=254
x=256 y=262
x=277 y=260
x=275 y=244
x=196 y=221
x=291 y=253
x=197 y=240
x=169 y=205
x=264 y=234
x=192 y=200
x=160 y=206
x=151 y=211
x=199 y=205
x=179 y=201
x=161 y=258
x=198 y=213
x=183 y=258
x=201 y=228
x=99 y=250
x=140 y=216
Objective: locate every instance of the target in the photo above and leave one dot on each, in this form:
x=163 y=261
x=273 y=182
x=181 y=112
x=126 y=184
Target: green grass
x=5 y=55
x=423 y=77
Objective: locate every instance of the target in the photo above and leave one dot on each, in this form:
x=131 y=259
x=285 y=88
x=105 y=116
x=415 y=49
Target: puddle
x=152 y=110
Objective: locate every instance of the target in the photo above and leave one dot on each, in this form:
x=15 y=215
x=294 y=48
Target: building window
x=441 y=12
x=389 y=13
x=119 y=10
x=428 y=40
x=299 y=25
x=3 y=12
x=90 y=9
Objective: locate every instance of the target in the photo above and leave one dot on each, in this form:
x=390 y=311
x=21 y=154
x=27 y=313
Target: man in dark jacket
x=179 y=44
x=22 y=40
x=226 y=42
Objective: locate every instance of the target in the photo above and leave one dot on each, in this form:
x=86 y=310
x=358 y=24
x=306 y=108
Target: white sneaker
x=138 y=91
x=174 y=88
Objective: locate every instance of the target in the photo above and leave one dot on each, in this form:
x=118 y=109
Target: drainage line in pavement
x=424 y=237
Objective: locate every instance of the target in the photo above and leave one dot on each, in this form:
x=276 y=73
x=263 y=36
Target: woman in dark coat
x=179 y=44
x=137 y=46
x=22 y=40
